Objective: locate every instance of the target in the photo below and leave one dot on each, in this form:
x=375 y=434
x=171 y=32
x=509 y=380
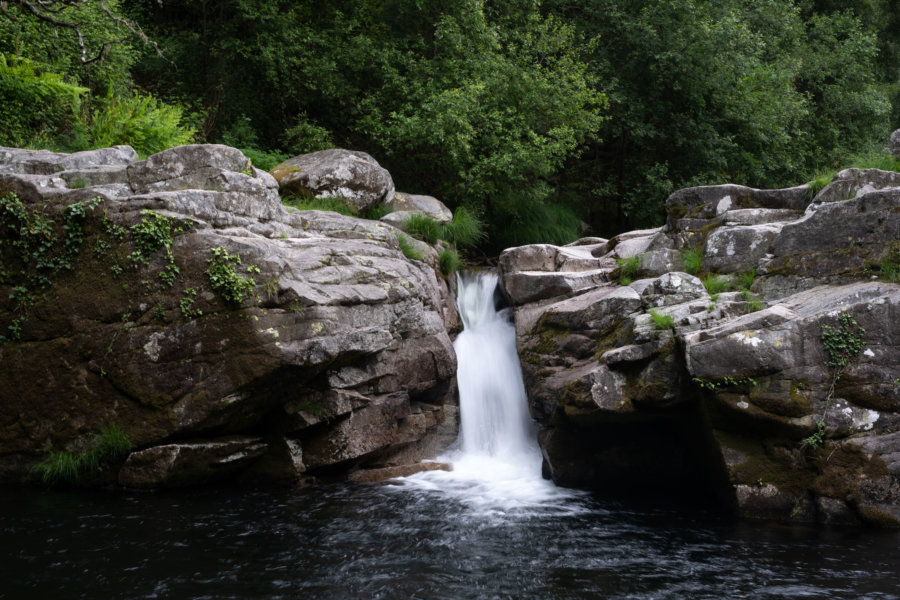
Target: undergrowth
x=67 y=468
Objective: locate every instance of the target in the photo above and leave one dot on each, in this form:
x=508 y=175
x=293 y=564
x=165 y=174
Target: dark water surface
x=401 y=541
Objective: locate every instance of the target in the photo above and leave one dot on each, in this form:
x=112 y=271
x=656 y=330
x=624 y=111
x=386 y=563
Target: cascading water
x=497 y=464
x=494 y=420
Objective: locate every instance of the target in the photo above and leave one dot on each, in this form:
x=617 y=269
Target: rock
x=733 y=249
x=412 y=203
x=354 y=176
x=739 y=396
x=189 y=463
x=372 y=475
x=673 y=288
x=852 y=183
x=894 y=146
x=202 y=313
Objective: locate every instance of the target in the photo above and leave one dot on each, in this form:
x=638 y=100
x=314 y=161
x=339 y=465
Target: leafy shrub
x=408 y=247
x=423 y=227
x=692 y=259
x=36 y=106
x=661 y=321
x=465 y=230
x=264 y=160
x=146 y=124
x=449 y=261
x=224 y=278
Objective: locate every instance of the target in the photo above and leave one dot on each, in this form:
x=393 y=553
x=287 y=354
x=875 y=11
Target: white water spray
x=497 y=465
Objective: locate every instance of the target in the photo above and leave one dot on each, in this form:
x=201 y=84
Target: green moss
x=548 y=334
x=841 y=466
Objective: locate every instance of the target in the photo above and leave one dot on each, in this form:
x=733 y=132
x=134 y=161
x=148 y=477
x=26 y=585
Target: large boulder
x=403 y=205
x=186 y=302
x=354 y=176
x=780 y=394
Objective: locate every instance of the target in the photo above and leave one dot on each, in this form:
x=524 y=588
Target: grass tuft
x=629 y=267
x=661 y=321
x=449 y=261
x=423 y=227
x=715 y=284
x=408 y=247
x=692 y=259
x=67 y=468
x=466 y=230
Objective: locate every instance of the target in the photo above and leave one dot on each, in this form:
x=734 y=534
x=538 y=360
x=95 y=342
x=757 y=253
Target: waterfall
x=497 y=463
x=494 y=419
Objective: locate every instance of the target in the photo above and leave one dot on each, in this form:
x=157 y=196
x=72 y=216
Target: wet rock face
x=773 y=383
x=179 y=300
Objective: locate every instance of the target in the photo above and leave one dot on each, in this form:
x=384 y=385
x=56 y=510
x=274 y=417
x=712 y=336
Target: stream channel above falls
x=491 y=528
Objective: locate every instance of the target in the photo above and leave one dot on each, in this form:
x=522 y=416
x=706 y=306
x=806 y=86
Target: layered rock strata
x=769 y=378
x=229 y=337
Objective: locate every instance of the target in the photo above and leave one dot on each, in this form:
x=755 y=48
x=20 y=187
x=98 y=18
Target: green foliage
x=67 y=468
x=376 y=211
x=889 y=265
x=186 y=304
x=629 y=268
x=224 y=278
x=746 y=279
x=141 y=121
x=449 y=261
x=408 y=247
x=332 y=203
x=692 y=259
x=715 y=284
x=661 y=321
x=36 y=106
x=264 y=160
x=818 y=182
x=842 y=343
x=423 y=227
x=34 y=249
x=817 y=438
x=465 y=230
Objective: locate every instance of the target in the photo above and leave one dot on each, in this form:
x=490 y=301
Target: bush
x=465 y=230
x=146 y=124
x=264 y=160
x=449 y=261
x=36 y=107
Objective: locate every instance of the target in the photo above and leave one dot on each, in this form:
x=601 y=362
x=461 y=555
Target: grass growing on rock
x=329 y=203
x=661 y=321
x=68 y=468
x=629 y=268
x=408 y=247
x=423 y=227
x=692 y=258
x=449 y=261
x=464 y=230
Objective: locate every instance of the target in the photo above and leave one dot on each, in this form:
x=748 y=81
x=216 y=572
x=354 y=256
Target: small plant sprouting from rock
x=423 y=227
x=715 y=284
x=629 y=268
x=842 y=345
x=692 y=258
x=224 y=278
x=661 y=321
x=62 y=467
x=186 y=304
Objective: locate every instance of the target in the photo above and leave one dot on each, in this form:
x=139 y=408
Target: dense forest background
x=536 y=115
